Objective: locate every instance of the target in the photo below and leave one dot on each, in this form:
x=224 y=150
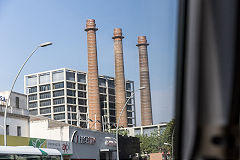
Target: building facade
x=17 y=123
x=62 y=95
x=145 y=130
x=83 y=143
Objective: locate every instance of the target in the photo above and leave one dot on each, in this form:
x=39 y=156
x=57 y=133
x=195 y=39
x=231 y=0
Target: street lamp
x=172 y=142
x=119 y=118
x=5 y=112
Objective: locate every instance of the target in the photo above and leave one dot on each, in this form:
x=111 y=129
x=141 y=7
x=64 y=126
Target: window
x=130 y=101
x=111 y=105
x=70 y=76
x=59 y=109
x=18 y=131
x=44 y=87
x=83 y=109
x=112 y=98
x=32 y=104
x=33 y=112
x=58 y=85
x=72 y=108
x=103 y=104
x=102 y=90
x=32 y=97
x=129 y=114
x=103 y=98
x=129 y=107
x=81 y=78
x=59 y=116
x=102 y=82
x=44 y=78
x=71 y=100
x=31 y=80
x=71 y=93
x=112 y=112
x=113 y=119
x=7 y=129
x=45 y=110
x=83 y=117
x=72 y=116
x=32 y=89
x=45 y=95
x=45 y=103
x=74 y=123
x=128 y=86
x=58 y=101
x=128 y=94
x=82 y=102
x=70 y=85
x=82 y=94
x=82 y=87
x=111 y=84
x=58 y=76
x=17 y=102
x=58 y=93
x=83 y=124
x=130 y=120
x=111 y=91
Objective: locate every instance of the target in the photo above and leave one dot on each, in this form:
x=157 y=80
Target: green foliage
x=166 y=137
x=149 y=144
x=155 y=142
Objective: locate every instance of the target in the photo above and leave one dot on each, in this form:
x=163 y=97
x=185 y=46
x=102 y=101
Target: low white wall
x=13 y=123
x=39 y=129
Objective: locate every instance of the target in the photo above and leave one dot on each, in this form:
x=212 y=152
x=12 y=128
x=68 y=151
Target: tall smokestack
x=120 y=92
x=146 y=105
x=93 y=88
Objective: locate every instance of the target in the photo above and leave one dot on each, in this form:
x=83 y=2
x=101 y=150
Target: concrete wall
x=13 y=123
x=40 y=129
x=22 y=99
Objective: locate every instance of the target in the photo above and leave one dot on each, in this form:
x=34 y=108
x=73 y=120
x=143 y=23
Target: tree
x=154 y=142
x=149 y=143
x=166 y=137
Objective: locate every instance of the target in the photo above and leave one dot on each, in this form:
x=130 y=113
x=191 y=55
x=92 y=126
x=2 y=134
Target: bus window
x=6 y=156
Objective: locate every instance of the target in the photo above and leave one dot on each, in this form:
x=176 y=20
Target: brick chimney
x=120 y=92
x=93 y=88
x=145 y=94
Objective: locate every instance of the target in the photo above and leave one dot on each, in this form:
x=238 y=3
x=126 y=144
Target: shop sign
x=110 y=141
x=82 y=139
x=64 y=147
x=2 y=98
x=38 y=143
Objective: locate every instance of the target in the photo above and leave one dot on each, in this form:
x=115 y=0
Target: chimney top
x=90 y=25
x=117 y=33
x=142 y=41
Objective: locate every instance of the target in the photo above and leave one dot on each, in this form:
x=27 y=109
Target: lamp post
x=5 y=112
x=119 y=118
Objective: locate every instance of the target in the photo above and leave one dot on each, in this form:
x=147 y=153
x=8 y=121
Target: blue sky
x=25 y=24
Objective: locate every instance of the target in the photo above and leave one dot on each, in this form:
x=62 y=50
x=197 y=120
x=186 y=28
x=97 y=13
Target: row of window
x=56 y=76
x=19 y=132
x=59 y=109
x=56 y=86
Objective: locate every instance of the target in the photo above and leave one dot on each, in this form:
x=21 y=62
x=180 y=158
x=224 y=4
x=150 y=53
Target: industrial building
x=62 y=95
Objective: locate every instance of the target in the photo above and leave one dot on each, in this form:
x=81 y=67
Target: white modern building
x=17 y=114
x=62 y=95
